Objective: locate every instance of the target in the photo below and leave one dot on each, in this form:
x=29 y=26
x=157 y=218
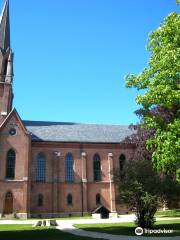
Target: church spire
x=6 y=64
x=5 y=28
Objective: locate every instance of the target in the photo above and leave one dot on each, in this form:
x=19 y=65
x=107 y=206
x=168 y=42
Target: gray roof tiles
x=77 y=132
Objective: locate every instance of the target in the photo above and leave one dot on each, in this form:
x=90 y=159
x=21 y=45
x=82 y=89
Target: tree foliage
x=144 y=190
x=159 y=95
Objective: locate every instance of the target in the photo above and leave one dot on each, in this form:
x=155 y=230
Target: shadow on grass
x=114 y=230
x=129 y=228
x=37 y=234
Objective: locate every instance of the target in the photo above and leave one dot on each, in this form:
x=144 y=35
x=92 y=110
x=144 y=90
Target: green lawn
x=128 y=228
x=168 y=213
x=27 y=232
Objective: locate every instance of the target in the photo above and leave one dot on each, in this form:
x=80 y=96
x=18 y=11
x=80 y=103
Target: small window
x=40 y=200
x=9 y=195
x=5 y=67
x=69 y=200
x=122 y=160
x=12 y=131
x=98 y=199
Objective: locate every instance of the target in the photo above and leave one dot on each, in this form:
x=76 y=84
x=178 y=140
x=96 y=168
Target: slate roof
x=77 y=132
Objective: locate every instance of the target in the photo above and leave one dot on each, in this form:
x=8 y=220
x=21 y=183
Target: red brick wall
x=20 y=143
x=63 y=188
x=25 y=189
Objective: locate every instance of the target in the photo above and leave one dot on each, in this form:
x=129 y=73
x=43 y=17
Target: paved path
x=122 y=218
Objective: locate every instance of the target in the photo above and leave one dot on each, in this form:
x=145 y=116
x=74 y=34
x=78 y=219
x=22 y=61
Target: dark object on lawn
x=39 y=223
x=53 y=223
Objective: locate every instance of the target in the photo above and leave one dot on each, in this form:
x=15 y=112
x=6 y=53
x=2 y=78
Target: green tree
x=159 y=96
x=144 y=190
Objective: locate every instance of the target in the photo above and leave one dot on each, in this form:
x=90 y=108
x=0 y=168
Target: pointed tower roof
x=5 y=27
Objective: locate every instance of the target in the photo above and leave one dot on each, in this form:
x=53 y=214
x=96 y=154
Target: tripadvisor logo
x=138 y=231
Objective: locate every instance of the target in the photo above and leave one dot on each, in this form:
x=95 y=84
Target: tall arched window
x=40 y=200
x=97 y=167
x=69 y=168
x=69 y=199
x=122 y=160
x=10 y=164
x=40 y=168
x=98 y=199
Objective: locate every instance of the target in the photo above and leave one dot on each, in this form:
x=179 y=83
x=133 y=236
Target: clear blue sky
x=71 y=56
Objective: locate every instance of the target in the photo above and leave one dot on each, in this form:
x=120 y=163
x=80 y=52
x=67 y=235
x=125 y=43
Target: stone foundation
x=96 y=215
x=21 y=215
x=15 y=216
x=43 y=215
x=113 y=215
x=58 y=215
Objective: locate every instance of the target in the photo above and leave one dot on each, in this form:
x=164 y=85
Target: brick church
x=54 y=169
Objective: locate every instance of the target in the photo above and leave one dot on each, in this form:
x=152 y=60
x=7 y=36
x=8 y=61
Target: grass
x=168 y=213
x=128 y=228
x=27 y=232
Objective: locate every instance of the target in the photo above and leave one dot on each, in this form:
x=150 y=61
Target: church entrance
x=8 y=203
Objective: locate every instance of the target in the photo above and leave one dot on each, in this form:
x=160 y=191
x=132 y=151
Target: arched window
x=97 y=167
x=40 y=200
x=41 y=168
x=122 y=160
x=69 y=199
x=10 y=164
x=98 y=199
x=69 y=168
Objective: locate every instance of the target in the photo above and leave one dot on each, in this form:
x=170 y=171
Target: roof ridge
x=76 y=123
